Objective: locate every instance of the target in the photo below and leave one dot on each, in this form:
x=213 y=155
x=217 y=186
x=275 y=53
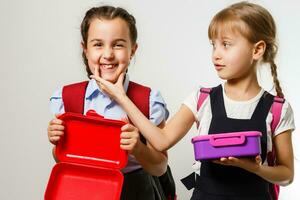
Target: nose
x=108 y=53
x=216 y=54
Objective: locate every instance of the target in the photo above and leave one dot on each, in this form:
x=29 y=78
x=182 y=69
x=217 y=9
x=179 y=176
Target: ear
x=259 y=50
x=133 y=50
x=83 y=46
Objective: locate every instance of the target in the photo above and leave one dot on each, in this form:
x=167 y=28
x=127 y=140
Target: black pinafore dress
x=219 y=182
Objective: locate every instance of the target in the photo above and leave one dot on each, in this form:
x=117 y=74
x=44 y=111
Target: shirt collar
x=93 y=89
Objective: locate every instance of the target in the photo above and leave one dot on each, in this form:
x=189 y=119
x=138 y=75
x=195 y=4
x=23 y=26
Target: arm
x=282 y=173
x=160 y=139
x=152 y=161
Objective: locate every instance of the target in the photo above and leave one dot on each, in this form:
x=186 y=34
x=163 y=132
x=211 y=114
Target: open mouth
x=108 y=66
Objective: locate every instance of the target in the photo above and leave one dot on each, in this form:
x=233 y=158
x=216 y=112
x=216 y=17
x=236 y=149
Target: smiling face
x=109 y=48
x=233 y=55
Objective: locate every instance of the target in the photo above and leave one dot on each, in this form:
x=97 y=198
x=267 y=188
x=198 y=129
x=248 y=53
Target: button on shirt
x=96 y=100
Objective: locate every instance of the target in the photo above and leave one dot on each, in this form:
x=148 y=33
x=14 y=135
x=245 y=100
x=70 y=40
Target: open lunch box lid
x=90 y=159
x=91 y=140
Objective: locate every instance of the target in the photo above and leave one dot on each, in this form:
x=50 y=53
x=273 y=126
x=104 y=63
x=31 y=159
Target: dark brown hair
x=255 y=23
x=108 y=13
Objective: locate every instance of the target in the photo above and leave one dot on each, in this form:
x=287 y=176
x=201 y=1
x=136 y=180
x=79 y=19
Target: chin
x=110 y=79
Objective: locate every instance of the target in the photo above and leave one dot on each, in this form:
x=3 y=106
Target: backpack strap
x=204 y=93
x=276 y=112
x=140 y=96
x=73 y=97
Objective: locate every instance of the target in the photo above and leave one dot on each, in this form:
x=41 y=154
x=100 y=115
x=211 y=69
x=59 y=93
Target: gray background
x=40 y=51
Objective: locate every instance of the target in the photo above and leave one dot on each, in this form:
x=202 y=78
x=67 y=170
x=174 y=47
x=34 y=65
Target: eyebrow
x=226 y=38
x=116 y=40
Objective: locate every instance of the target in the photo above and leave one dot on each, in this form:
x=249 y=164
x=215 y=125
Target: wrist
x=137 y=149
x=122 y=98
x=256 y=169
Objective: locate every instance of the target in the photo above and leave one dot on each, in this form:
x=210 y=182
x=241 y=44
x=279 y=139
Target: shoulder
x=192 y=99
x=59 y=90
x=82 y=84
x=286 y=120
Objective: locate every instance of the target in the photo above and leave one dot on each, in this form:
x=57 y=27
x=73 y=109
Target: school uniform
x=137 y=183
x=219 y=114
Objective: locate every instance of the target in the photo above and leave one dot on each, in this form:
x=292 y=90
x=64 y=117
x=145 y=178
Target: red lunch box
x=90 y=159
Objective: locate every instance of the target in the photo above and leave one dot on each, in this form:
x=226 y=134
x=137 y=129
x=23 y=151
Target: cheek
x=123 y=57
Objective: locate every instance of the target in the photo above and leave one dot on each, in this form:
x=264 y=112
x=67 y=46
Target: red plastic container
x=90 y=160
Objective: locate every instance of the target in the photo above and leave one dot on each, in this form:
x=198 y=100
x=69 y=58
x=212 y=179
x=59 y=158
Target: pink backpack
x=276 y=111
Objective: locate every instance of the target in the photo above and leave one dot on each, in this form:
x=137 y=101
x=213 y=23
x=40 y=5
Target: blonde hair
x=255 y=23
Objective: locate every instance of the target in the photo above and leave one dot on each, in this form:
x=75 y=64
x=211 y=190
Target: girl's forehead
x=116 y=27
x=227 y=29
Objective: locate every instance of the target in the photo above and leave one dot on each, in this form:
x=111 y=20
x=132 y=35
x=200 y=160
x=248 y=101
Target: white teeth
x=107 y=66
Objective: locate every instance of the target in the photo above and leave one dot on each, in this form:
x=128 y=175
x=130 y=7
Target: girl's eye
x=226 y=44
x=119 y=45
x=98 y=44
x=212 y=44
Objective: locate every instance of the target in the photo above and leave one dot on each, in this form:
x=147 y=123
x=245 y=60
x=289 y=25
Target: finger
x=124 y=127
x=56 y=127
x=56 y=133
x=233 y=159
x=258 y=160
x=126 y=141
x=96 y=78
x=223 y=159
x=121 y=79
x=57 y=115
x=99 y=79
x=126 y=147
x=129 y=127
x=56 y=121
x=128 y=135
x=125 y=135
x=54 y=139
x=96 y=71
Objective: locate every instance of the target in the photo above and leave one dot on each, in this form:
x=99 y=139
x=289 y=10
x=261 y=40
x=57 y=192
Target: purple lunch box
x=235 y=144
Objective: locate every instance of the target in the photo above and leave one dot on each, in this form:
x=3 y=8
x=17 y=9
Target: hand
x=55 y=130
x=130 y=139
x=114 y=90
x=249 y=164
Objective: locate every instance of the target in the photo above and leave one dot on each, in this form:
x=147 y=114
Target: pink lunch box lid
x=226 y=135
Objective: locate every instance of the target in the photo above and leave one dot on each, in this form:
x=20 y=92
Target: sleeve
x=56 y=103
x=192 y=100
x=158 y=108
x=286 y=121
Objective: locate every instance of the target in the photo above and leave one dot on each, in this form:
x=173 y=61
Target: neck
x=242 y=89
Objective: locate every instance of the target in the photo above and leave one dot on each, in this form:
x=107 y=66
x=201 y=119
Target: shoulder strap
x=204 y=93
x=276 y=111
x=73 y=97
x=140 y=96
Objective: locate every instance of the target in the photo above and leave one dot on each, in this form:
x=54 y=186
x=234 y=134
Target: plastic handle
x=226 y=140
